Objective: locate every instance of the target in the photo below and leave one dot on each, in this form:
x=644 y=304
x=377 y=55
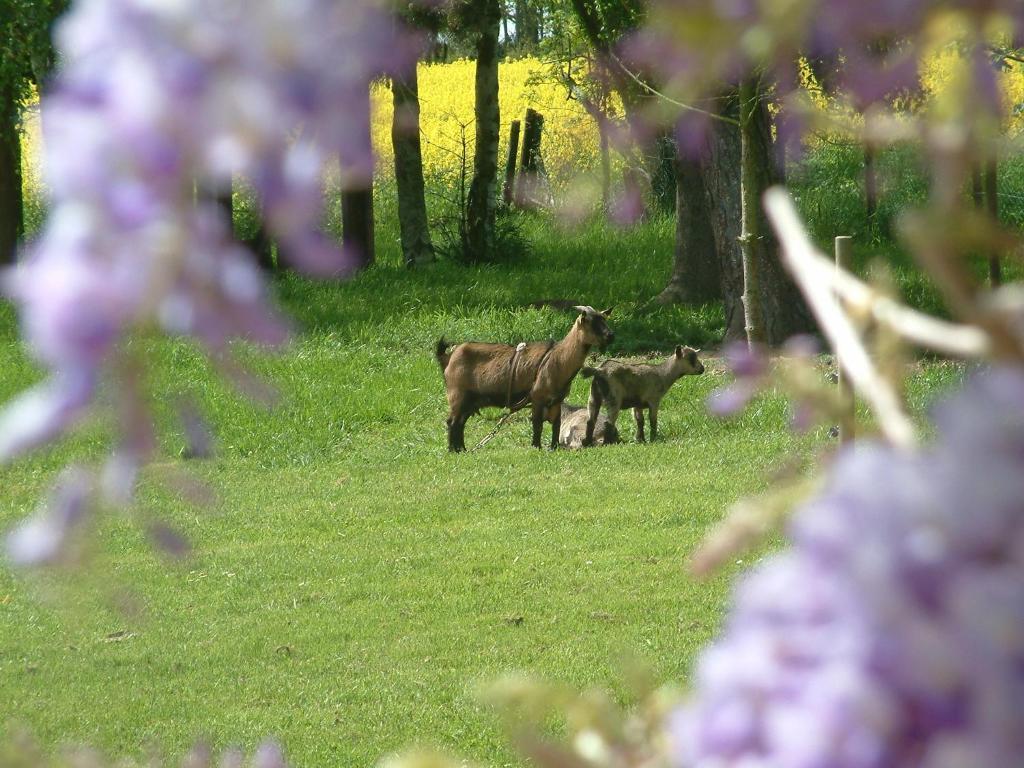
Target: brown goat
x=621 y=384
x=477 y=375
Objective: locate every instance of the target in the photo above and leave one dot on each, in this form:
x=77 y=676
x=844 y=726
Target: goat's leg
x=593 y=411
x=653 y=411
x=555 y=417
x=611 y=429
x=457 y=432
x=460 y=408
x=538 y=423
x=638 y=414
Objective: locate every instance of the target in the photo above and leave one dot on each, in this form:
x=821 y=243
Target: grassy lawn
x=354 y=583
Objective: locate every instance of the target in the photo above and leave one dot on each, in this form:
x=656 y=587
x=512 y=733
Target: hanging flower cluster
x=892 y=633
x=158 y=106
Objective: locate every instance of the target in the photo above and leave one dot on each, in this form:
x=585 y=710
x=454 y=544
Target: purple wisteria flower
x=750 y=366
x=891 y=634
x=154 y=101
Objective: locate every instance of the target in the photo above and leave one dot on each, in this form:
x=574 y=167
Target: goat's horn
x=586 y=310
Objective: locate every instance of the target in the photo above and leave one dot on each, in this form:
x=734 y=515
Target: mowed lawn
x=354 y=584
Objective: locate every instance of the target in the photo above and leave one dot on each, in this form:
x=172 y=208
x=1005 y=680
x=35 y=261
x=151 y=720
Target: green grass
x=354 y=583
x=828 y=185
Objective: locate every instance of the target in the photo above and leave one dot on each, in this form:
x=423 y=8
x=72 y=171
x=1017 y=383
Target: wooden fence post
x=510 y=164
x=529 y=159
x=847 y=417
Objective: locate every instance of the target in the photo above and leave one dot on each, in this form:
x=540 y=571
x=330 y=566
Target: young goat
x=574 y=427
x=477 y=375
x=635 y=385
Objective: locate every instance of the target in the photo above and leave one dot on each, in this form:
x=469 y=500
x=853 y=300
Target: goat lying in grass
x=574 y=427
x=621 y=384
x=477 y=375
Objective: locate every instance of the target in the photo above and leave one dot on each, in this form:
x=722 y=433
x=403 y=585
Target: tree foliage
x=27 y=54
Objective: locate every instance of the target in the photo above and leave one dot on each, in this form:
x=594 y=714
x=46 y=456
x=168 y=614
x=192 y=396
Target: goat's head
x=593 y=325
x=685 y=361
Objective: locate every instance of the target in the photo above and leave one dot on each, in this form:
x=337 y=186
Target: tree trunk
x=663 y=173
x=12 y=208
x=405 y=138
x=721 y=174
x=870 y=183
x=482 y=199
x=995 y=269
x=357 y=210
x=226 y=201
x=696 y=274
x=527 y=25
x=750 y=196
x=606 y=166
x=357 y=225
x=784 y=311
x=263 y=247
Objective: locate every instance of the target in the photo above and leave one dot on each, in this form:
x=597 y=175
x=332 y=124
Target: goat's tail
x=442 y=354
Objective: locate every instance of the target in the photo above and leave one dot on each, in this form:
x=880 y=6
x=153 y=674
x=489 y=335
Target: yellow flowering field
x=570 y=138
x=946 y=73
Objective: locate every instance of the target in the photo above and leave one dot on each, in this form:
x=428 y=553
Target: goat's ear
x=608 y=312
x=679 y=351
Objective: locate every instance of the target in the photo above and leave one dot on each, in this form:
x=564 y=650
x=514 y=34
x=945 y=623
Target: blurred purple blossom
x=803 y=346
x=696 y=48
x=749 y=364
x=732 y=398
x=892 y=633
x=153 y=101
x=43 y=538
x=169 y=540
x=269 y=755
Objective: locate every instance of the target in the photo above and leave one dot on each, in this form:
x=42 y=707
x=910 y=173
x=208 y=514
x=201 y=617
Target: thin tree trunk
x=357 y=212
x=482 y=198
x=749 y=200
x=696 y=276
x=870 y=182
x=606 y=166
x=995 y=269
x=527 y=25
x=263 y=247
x=357 y=225
x=977 y=188
x=226 y=201
x=12 y=207
x=405 y=138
